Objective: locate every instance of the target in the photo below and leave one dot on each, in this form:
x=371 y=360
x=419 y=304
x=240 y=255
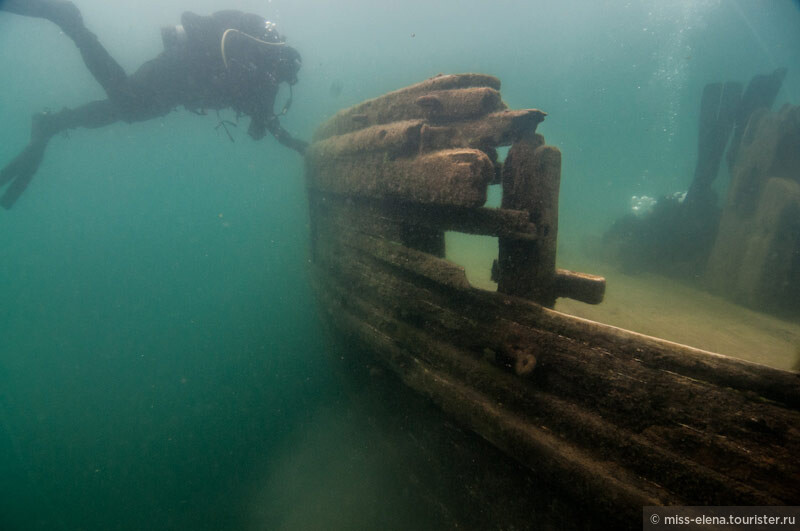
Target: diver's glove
x=297 y=145
x=283 y=136
x=20 y=171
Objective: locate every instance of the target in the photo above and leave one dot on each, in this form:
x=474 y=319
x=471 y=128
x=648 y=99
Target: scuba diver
x=227 y=60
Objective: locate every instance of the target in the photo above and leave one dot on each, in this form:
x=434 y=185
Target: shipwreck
x=610 y=419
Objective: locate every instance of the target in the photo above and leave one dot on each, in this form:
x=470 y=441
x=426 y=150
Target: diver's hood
x=243 y=53
x=289 y=64
x=248 y=45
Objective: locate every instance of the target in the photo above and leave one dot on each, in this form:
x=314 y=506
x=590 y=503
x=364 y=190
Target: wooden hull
x=612 y=419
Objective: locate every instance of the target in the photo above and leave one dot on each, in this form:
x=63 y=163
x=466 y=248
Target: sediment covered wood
x=551 y=457
x=459 y=104
x=493 y=130
x=456 y=177
x=384 y=217
x=398 y=105
x=531 y=179
x=580 y=286
x=510 y=224
x=689 y=432
x=416 y=262
x=607 y=415
x=396 y=139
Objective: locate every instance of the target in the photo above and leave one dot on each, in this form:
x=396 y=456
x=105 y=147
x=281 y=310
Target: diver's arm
x=283 y=136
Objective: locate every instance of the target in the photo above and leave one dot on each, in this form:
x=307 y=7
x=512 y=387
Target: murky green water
x=161 y=361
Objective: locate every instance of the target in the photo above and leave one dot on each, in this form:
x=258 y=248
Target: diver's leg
x=92 y=115
x=44 y=126
x=103 y=67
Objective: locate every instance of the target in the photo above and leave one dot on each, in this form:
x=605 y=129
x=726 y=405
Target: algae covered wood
x=531 y=179
x=610 y=419
x=398 y=105
x=455 y=177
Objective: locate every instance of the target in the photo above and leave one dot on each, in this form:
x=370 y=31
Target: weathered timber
x=435 y=455
x=424 y=239
x=645 y=450
x=607 y=418
x=396 y=139
x=553 y=460
x=580 y=286
x=419 y=263
x=508 y=344
x=753 y=380
x=469 y=321
x=664 y=406
x=398 y=105
x=345 y=213
x=499 y=222
x=486 y=323
x=493 y=130
x=456 y=177
x=531 y=178
x=459 y=104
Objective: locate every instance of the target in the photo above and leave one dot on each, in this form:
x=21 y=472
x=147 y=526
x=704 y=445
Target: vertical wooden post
x=531 y=180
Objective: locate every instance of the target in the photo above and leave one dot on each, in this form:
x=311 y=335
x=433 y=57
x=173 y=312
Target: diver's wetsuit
x=194 y=71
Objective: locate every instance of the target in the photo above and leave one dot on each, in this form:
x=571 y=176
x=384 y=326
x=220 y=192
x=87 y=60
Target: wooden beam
x=673 y=432
x=398 y=105
x=459 y=104
x=457 y=177
x=580 y=286
x=531 y=180
x=493 y=130
x=372 y=216
x=397 y=139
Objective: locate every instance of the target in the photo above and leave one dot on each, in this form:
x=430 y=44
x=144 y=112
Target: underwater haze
x=162 y=365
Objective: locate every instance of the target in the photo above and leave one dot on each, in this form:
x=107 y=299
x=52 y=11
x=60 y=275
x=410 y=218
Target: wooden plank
x=531 y=180
x=580 y=286
x=569 y=364
x=410 y=345
x=398 y=105
x=753 y=379
x=510 y=224
x=758 y=381
x=507 y=344
x=416 y=262
x=397 y=139
x=459 y=104
x=496 y=129
x=595 y=382
x=456 y=177
x=537 y=447
x=498 y=222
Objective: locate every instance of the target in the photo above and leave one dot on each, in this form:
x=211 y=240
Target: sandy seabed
x=657 y=306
